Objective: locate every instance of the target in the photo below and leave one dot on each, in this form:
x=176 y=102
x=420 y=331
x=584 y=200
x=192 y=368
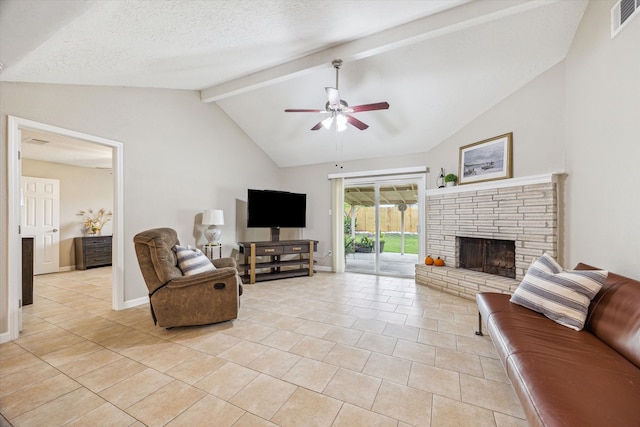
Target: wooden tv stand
x=277 y=267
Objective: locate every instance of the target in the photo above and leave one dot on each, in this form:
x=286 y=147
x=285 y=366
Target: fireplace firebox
x=491 y=256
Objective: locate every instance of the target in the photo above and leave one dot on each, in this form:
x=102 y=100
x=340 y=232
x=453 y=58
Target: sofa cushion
x=562 y=296
x=516 y=329
x=560 y=376
x=575 y=391
x=192 y=261
x=614 y=314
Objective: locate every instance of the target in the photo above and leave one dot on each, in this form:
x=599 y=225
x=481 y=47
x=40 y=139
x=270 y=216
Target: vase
x=440 y=180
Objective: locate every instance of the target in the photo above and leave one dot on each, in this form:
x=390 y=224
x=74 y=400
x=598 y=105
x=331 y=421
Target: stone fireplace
x=519 y=216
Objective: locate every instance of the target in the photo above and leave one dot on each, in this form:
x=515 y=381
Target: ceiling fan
x=338 y=109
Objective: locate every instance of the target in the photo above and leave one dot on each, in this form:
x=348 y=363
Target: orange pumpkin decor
x=438 y=262
x=428 y=260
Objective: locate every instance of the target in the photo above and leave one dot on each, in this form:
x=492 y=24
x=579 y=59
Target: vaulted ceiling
x=439 y=64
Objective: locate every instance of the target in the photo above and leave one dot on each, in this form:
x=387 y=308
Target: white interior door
x=41 y=219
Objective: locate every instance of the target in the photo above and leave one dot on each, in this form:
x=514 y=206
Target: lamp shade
x=213 y=217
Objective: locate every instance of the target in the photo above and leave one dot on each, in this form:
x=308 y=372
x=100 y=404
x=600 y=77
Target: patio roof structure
x=390 y=194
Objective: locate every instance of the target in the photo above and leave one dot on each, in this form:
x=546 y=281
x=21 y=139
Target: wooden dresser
x=93 y=251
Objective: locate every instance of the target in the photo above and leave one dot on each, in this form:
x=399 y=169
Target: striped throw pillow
x=192 y=261
x=562 y=296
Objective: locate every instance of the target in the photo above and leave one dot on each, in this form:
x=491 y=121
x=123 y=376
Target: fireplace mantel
x=502 y=183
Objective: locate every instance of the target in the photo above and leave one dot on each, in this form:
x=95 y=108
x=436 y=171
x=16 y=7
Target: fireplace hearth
x=493 y=256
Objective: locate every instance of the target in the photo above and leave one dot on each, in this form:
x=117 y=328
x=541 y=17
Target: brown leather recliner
x=178 y=300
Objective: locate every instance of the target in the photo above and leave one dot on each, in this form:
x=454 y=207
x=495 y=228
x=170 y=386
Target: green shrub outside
x=392 y=242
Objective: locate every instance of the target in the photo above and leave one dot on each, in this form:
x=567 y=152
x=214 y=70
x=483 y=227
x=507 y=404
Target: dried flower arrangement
x=93 y=222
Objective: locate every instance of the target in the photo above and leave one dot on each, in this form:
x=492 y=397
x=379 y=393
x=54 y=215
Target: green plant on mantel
x=451 y=178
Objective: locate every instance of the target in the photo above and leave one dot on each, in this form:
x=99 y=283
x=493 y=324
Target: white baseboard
x=322 y=268
x=5 y=337
x=135 y=302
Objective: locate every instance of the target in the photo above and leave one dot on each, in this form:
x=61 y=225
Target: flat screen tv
x=276 y=209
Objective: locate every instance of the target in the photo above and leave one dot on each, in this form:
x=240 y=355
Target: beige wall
x=312 y=180
x=579 y=117
x=180 y=156
x=603 y=144
x=80 y=189
x=534 y=114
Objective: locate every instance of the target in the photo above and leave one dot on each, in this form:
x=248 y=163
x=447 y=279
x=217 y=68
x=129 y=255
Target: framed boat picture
x=486 y=160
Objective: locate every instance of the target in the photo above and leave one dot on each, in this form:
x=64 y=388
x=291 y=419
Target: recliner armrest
x=225 y=262
x=218 y=275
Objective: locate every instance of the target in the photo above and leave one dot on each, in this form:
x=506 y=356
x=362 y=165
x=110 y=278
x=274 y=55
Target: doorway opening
x=14 y=167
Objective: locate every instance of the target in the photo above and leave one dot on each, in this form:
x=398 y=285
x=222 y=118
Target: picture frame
x=487 y=160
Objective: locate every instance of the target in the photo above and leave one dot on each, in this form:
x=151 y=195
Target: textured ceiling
x=440 y=64
x=184 y=44
x=56 y=148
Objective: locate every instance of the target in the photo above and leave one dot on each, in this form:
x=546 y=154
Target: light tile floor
x=329 y=350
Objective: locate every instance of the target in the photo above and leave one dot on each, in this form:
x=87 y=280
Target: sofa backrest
x=614 y=314
x=156 y=257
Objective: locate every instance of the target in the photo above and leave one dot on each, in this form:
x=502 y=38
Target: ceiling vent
x=36 y=141
x=621 y=14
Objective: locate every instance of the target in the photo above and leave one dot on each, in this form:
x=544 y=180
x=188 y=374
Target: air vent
x=36 y=141
x=622 y=13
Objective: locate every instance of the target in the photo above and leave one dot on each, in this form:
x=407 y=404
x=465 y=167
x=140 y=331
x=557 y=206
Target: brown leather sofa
x=568 y=378
x=178 y=300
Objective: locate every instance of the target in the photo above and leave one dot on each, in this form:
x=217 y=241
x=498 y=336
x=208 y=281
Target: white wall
x=180 y=156
x=580 y=117
x=80 y=189
x=312 y=180
x=535 y=115
x=603 y=144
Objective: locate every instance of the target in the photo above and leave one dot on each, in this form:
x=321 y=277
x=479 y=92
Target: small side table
x=210 y=251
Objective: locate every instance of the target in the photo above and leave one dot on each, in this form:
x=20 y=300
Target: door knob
x=55 y=230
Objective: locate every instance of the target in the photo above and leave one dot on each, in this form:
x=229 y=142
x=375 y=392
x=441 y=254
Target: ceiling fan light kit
x=338 y=109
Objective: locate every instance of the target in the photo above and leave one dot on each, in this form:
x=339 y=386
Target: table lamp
x=213 y=218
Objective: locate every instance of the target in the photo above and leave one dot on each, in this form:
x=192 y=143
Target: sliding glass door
x=361 y=227
x=382 y=225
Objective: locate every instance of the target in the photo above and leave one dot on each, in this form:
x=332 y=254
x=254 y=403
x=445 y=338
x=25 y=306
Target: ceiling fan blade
x=333 y=96
x=357 y=123
x=301 y=110
x=370 y=107
x=318 y=126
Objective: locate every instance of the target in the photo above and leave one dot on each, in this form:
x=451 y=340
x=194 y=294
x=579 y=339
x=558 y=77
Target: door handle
x=55 y=230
